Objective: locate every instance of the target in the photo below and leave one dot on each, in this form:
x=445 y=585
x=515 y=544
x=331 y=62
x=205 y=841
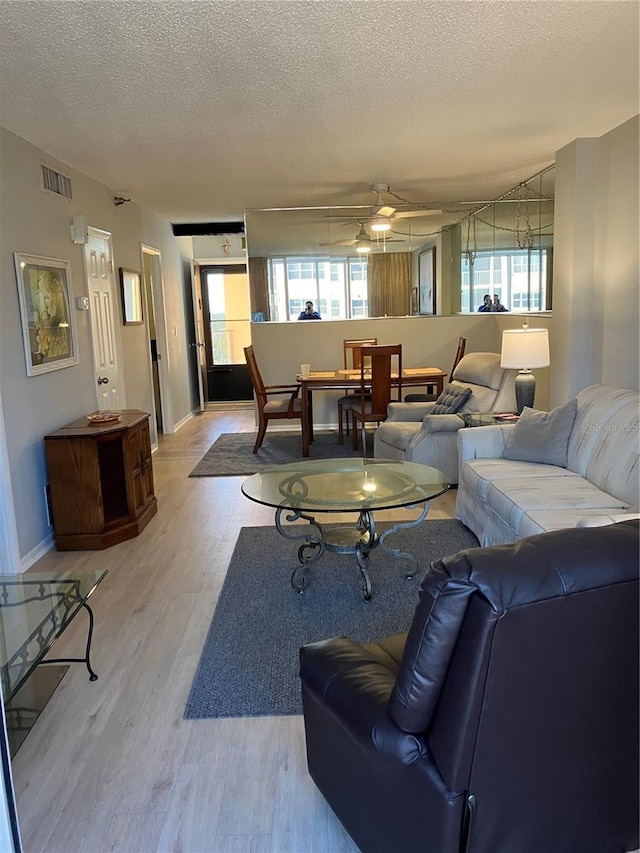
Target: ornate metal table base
x=359 y=540
x=85 y=660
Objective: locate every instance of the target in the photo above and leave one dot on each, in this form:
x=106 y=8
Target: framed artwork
x=48 y=325
x=131 y=290
x=427 y=281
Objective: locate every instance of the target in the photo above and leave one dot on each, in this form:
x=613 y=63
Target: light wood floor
x=111 y=765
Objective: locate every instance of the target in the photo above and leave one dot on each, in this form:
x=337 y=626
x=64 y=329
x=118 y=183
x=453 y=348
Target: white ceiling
x=198 y=110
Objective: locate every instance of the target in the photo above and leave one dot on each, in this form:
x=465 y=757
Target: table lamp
x=523 y=349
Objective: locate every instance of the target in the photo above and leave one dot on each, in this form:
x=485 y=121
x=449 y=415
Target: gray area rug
x=249 y=663
x=232 y=454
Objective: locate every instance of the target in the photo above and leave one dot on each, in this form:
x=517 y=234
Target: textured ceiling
x=198 y=110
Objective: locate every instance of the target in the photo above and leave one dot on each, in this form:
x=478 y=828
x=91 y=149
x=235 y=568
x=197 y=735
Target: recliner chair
x=506 y=720
x=412 y=434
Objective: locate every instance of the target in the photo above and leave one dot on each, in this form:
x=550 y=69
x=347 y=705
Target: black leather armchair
x=506 y=720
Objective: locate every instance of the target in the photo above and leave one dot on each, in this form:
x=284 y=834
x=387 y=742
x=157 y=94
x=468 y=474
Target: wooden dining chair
x=376 y=390
x=287 y=408
x=427 y=398
x=352 y=359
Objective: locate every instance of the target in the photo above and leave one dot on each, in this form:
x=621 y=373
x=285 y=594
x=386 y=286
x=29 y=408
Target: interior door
x=225 y=299
x=101 y=289
x=198 y=344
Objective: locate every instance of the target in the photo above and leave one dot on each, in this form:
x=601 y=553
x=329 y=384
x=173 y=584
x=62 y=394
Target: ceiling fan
x=362 y=241
x=382 y=215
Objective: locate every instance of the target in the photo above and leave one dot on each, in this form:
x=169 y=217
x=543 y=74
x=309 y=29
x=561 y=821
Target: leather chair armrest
x=353 y=685
x=486 y=442
x=408 y=411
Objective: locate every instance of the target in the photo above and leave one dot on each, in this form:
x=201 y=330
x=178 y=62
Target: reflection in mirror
x=332 y=257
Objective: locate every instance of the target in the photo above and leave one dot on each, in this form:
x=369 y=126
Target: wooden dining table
x=341 y=380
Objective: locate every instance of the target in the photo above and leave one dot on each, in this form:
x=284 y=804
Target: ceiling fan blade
x=383 y=210
x=339 y=243
x=405 y=214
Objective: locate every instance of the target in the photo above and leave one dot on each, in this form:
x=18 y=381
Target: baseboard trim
x=39 y=551
x=183 y=421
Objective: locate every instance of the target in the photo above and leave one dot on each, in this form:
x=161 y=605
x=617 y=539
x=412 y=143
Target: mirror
x=503 y=246
x=131 y=291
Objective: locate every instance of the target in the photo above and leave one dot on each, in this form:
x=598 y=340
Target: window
x=519 y=277
x=336 y=286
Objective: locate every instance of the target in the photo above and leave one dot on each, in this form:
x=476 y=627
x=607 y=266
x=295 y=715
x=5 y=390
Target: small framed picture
x=131 y=289
x=48 y=325
x=427 y=281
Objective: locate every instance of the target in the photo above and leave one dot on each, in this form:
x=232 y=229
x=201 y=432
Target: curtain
x=390 y=284
x=259 y=287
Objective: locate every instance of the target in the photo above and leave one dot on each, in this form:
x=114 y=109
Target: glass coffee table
x=302 y=490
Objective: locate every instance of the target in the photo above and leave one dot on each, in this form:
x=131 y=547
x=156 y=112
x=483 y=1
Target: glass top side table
x=35 y=609
x=477 y=419
x=301 y=490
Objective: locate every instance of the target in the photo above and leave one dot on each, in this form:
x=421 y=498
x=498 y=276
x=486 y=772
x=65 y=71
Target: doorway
x=147 y=277
x=162 y=420
x=227 y=330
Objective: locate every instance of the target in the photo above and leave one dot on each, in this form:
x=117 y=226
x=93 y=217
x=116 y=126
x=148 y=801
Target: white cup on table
x=305 y=370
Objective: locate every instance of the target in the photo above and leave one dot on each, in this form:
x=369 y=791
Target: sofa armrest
x=441 y=423
x=353 y=686
x=408 y=411
x=486 y=442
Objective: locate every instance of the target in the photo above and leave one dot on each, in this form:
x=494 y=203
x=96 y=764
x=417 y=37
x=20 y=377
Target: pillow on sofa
x=542 y=436
x=451 y=400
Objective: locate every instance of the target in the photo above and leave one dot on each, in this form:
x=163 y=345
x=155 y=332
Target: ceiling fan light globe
x=380 y=223
x=362 y=247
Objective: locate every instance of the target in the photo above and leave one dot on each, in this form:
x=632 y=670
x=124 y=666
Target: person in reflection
x=497 y=305
x=486 y=303
x=309 y=313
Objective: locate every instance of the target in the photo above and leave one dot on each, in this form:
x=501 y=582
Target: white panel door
x=104 y=313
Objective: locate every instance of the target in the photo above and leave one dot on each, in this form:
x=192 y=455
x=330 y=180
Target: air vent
x=55 y=182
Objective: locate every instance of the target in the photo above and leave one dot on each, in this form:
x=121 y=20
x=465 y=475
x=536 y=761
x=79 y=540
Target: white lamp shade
x=524 y=349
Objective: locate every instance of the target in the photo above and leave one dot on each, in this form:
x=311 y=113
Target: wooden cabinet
x=101 y=480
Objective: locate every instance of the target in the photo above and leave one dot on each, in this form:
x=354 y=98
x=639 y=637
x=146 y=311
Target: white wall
x=426 y=342
x=596 y=266
x=37 y=223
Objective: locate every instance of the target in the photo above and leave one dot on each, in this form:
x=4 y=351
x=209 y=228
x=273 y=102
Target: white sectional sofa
x=502 y=500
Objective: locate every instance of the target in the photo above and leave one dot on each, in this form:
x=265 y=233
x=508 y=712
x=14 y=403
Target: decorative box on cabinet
x=101 y=481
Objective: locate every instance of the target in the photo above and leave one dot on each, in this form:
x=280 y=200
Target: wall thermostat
x=82 y=303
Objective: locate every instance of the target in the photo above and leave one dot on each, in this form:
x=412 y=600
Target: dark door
x=225 y=299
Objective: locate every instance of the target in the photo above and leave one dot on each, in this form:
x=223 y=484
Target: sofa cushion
x=451 y=400
x=480 y=368
x=478 y=474
x=542 y=520
x=542 y=436
x=481 y=400
x=511 y=499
